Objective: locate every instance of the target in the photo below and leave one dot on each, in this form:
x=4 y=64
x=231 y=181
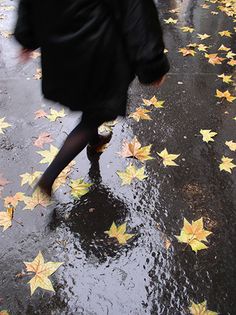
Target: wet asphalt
x=99 y=276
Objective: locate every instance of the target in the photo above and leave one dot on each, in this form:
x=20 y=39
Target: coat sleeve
x=140 y=26
x=23 y=30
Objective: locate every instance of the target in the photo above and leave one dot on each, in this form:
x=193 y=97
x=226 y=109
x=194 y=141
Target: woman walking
x=91 y=50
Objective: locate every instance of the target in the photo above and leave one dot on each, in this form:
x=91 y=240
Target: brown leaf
x=43 y=138
x=40 y=113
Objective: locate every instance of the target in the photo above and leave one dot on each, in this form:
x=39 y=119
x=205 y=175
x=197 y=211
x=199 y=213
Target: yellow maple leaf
x=186 y=51
x=202 y=47
x=232 y=62
x=140 y=113
x=79 y=188
x=28 y=178
x=153 y=101
x=14 y=200
x=224 y=48
x=193 y=234
x=56 y=114
x=42 y=271
x=134 y=149
x=168 y=159
x=200 y=309
x=48 y=155
x=230 y=55
x=170 y=21
x=119 y=233
x=131 y=173
x=203 y=36
x=207 y=135
x=227 y=164
x=38 y=198
x=192 y=45
x=231 y=145
x=186 y=29
x=3 y=125
x=6 y=218
x=225 y=33
x=225 y=78
x=214 y=59
x=4 y=312
x=226 y=95
x=107 y=126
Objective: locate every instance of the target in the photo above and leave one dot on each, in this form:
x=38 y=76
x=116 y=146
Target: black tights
x=85 y=132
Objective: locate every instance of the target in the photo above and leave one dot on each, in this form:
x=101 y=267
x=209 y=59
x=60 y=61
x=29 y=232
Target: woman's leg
x=76 y=141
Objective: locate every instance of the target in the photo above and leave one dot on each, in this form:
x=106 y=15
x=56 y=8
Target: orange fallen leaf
x=214 y=59
x=193 y=234
x=40 y=113
x=232 y=62
x=14 y=200
x=43 y=138
x=134 y=149
x=38 y=198
x=225 y=95
x=140 y=113
x=186 y=51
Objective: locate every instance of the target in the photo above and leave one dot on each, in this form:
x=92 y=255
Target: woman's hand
x=25 y=54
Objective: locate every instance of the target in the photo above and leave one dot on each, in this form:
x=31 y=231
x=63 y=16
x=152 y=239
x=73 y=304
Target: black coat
x=92 y=49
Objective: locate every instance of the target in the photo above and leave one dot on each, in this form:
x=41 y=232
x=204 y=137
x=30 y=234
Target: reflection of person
x=90 y=52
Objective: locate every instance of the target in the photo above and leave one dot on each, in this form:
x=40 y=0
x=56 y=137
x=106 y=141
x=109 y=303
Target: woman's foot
x=45 y=187
x=96 y=145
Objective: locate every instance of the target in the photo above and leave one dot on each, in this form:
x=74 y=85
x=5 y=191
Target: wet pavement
x=100 y=276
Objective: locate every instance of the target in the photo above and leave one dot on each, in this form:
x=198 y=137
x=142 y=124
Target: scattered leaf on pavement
x=225 y=78
x=48 y=155
x=42 y=271
x=153 y=101
x=225 y=95
x=42 y=139
x=28 y=178
x=79 y=188
x=193 y=234
x=3 y=125
x=207 y=135
x=14 y=200
x=231 y=145
x=140 y=113
x=134 y=149
x=226 y=164
x=54 y=114
x=37 y=198
x=6 y=218
x=200 y=309
x=187 y=51
x=119 y=233
x=40 y=114
x=168 y=159
x=130 y=173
